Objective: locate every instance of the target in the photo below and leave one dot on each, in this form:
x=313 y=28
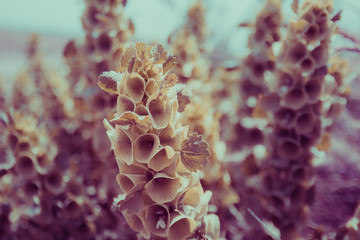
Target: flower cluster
x=163 y=196
x=37 y=83
x=295 y=105
x=289 y=110
x=107 y=32
x=189 y=46
x=253 y=78
x=54 y=155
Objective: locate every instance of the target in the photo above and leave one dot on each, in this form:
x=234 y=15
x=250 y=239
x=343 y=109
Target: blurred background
x=58 y=21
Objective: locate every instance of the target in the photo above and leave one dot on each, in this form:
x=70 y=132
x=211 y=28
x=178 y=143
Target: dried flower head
x=155 y=158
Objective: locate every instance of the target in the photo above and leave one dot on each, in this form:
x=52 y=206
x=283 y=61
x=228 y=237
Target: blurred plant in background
x=197 y=149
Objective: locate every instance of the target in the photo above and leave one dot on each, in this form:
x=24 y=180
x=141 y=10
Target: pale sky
x=45 y=16
x=154 y=19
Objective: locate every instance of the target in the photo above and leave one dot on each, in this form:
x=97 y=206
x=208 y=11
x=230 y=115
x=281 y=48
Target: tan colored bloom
x=124 y=104
x=123 y=145
x=160 y=110
x=145 y=146
x=163 y=188
x=149 y=143
x=163 y=158
x=181 y=227
x=135 y=87
x=157 y=218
